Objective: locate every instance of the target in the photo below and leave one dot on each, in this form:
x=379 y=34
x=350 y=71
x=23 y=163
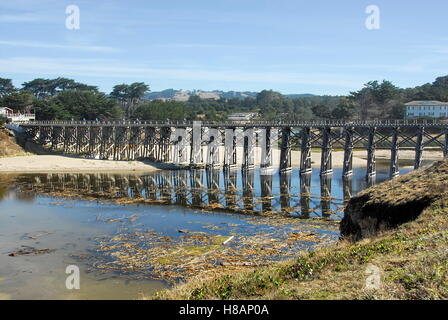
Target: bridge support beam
x=149 y=145
x=419 y=148
x=213 y=148
x=326 y=156
x=134 y=145
x=107 y=142
x=268 y=138
x=82 y=140
x=196 y=144
x=164 y=144
x=248 y=149
x=57 y=138
x=371 y=159
x=394 y=170
x=94 y=141
x=120 y=139
x=230 y=143
x=285 y=151
x=305 y=151
x=70 y=140
x=347 y=168
x=180 y=143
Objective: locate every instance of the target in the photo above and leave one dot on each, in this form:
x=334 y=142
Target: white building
x=17 y=117
x=432 y=109
x=5 y=111
x=243 y=116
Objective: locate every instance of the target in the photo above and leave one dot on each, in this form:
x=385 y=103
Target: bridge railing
x=258 y=123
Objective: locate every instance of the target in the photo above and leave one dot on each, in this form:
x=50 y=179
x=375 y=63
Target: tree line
x=66 y=99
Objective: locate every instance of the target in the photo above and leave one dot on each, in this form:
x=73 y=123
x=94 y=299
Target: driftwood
x=30 y=250
x=228 y=240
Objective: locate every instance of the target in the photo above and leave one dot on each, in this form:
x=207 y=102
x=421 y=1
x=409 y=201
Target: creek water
x=71 y=215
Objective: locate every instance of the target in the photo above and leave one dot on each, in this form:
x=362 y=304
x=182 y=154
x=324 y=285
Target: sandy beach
x=59 y=163
x=56 y=163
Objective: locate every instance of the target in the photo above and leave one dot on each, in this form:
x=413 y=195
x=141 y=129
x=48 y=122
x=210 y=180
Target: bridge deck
x=251 y=124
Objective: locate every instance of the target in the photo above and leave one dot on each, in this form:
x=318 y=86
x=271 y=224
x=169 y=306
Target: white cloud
x=39 y=67
x=34 y=44
x=22 y=17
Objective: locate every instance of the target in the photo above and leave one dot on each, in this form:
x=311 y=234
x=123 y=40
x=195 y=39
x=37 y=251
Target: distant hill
x=184 y=95
x=302 y=95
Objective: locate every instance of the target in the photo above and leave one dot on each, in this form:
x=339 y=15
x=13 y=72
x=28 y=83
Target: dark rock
x=364 y=218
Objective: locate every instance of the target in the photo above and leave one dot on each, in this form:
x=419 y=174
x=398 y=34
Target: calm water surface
x=32 y=214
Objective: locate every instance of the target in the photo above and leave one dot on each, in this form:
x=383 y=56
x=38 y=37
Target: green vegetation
x=129 y=96
x=412 y=259
x=59 y=99
x=78 y=105
x=48 y=97
x=157 y=109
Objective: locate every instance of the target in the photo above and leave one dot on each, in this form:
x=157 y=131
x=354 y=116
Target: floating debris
x=29 y=250
x=38 y=235
x=303 y=236
x=174 y=258
x=228 y=240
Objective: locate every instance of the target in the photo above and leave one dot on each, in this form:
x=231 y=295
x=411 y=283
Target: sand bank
x=58 y=163
x=54 y=163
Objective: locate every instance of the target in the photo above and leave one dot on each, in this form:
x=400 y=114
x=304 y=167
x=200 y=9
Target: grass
x=412 y=258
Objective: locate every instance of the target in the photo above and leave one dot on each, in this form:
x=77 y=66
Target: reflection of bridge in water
x=235 y=191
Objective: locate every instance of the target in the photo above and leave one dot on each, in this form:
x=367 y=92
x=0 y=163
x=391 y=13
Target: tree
x=77 y=105
x=376 y=99
x=88 y=105
x=6 y=87
x=50 y=110
x=344 y=110
x=267 y=97
x=162 y=110
x=129 y=96
x=322 y=111
x=45 y=88
x=21 y=101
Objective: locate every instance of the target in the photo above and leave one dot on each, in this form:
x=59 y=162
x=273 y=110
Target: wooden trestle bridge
x=197 y=143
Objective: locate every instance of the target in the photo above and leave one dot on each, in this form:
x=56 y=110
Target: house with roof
x=5 y=111
x=432 y=109
x=18 y=116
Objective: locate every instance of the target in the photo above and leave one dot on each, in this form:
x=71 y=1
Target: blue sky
x=320 y=47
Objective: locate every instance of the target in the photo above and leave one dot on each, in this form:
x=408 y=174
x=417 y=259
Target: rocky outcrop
x=364 y=219
x=394 y=202
x=9 y=147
